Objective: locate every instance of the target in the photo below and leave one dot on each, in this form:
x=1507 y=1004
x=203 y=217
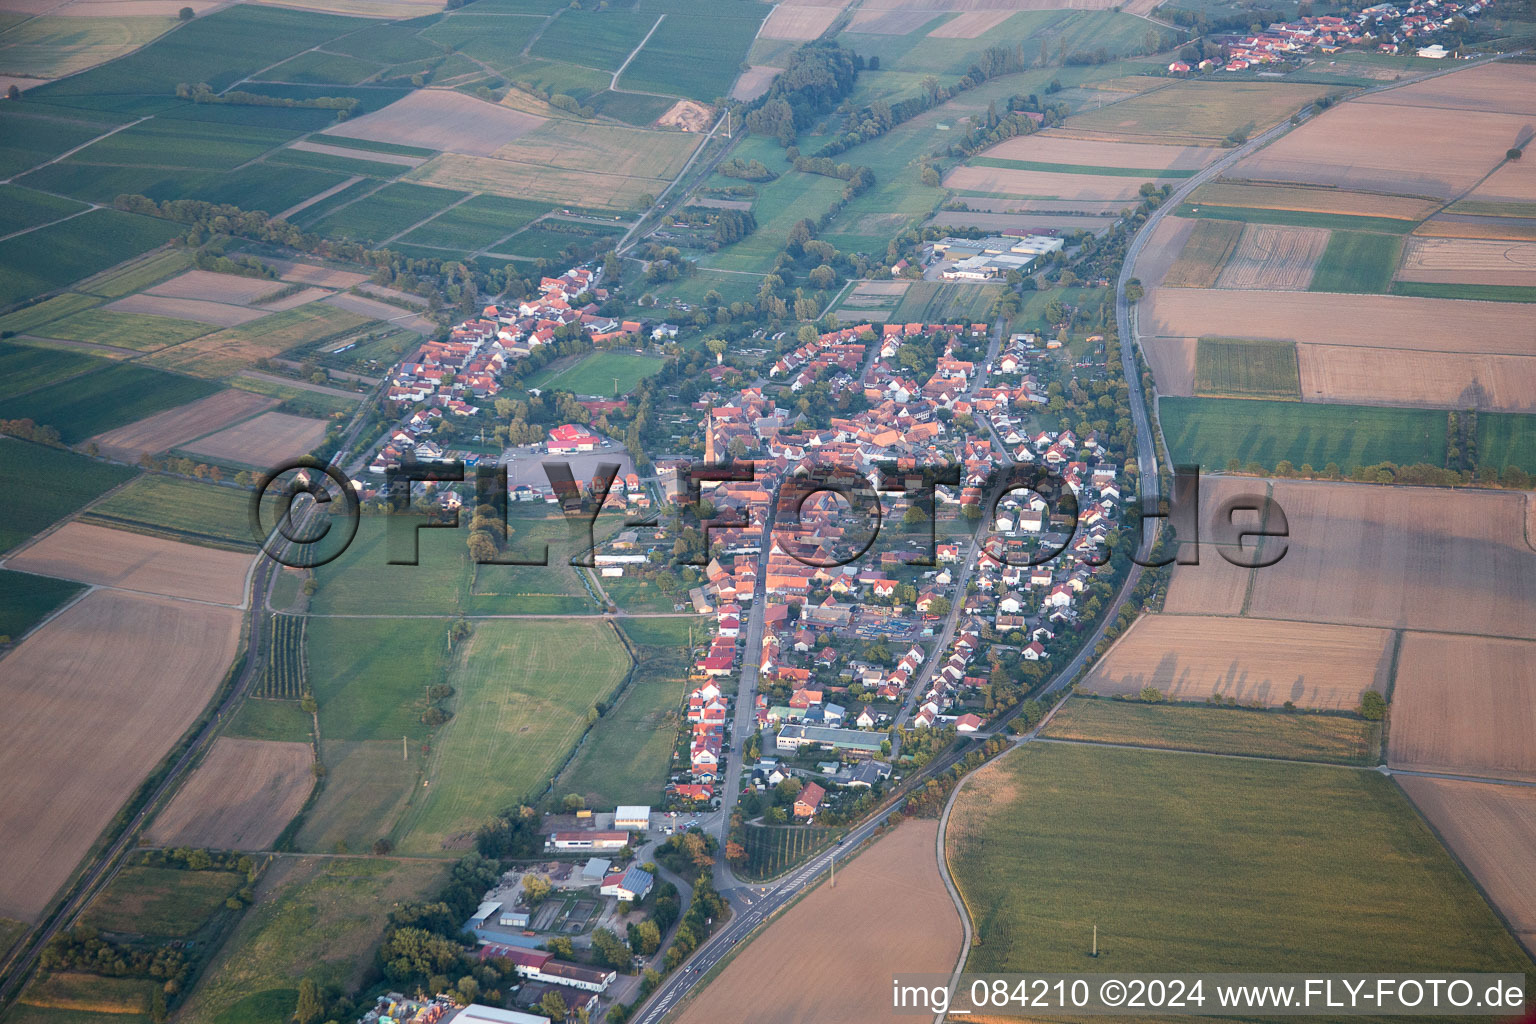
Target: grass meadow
x=387 y=212
x=370 y=676
x=1333 y=739
x=121 y=393
x=1237 y=368
x=43 y=485
x=596 y=374
x=1476 y=292
x=1357 y=261
x=182 y=509
x=1506 y=439
x=57 y=254
x=522 y=704
x=1213 y=431
x=25 y=367
x=1300 y=218
x=1198 y=863
x=281 y=720
x=161 y=902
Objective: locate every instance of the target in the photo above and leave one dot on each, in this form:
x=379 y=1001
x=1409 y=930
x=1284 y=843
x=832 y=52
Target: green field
x=774 y=849
x=367 y=787
x=944 y=302
x=161 y=902
x=284 y=675
x=57 y=254
x=547 y=240
x=1238 y=368
x=161 y=142
x=521 y=706
x=121 y=393
x=592 y=38
x=43 y=485
x=22 y=208
x=137 y=274
x=1300 y=218
x=183 y=509
x=1357 y=262
x=24 y=367
x=477 y=224
x=26 y=599
x=321 y=69
x=594 y=375
x=31 y=139
x=1197 y=863
x=318 y=919
x=627 y=756
x=370 y=676
x=281 y=720
x=1213 y=431
x=141 y=331
x=697 y=57
x=1476 y=292
x=1506 y=439
x=1149 y=173
x=389 y=211
x=267 y=187
x=1336 y=739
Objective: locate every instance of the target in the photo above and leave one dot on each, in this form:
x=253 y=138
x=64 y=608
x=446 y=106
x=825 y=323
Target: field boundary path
x=613 y=86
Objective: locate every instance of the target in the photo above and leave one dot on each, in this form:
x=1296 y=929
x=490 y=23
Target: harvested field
x=1372 y=321
x=875 y=22
x=1379 y=147
x=1173 y=364
x=1468 y=261
x=544 y=182
x=211 y=287
x=441 y=119
x=241 y=797
x=264 y=441
x=1410 y=557
x=1441 y=380
x=215 y=314
x=238 y=348
x=1495 y=88
x=1492 y=831
x=1190 y=657
x=1198 y=112
x=798 y=22
x=615 y=149
x=173 y=427
x=1163 y=249
x=1023 y=223
x=1450 y=225
x=119 y=675
x=1215 y=586
x=324 y=277
x=374 y=309
x=1042 y=184
x=294 y=301
x=1312 y=200
x=1515 y=182
x=1464 y=705
x=133 y=561
x=754 y=82
x=1050 y=147
x=971 y=25
x=1276 y=258
x=1205 y=252
x=919 y=932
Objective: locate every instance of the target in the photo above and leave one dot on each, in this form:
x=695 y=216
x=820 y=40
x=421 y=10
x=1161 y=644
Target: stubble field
x=1463 y=705
x=1492 y=829
x=1042 y=184
x=1441 y=380
x=264 y=441
x=175 y=426
x=119 y=675
x=1190 y=658
x=241 y=797
x=441 y=119
x=918 y=932
x=1208 y=244
x=1468 y=261
x=132 y=561
x=1049 y=147
x=1300 y=198
x=1275 y=258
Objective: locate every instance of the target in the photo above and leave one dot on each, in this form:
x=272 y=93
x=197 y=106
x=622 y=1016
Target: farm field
x=284 y=676
x=476 y=224
x=1461 y=705
x=262 y=442
x=945 y=302
x=312 y=918
x=22 y=208
x=521 y=706
x=1383 y=376
x=52 y=47
x=81 y=998
x=1262 y=833
x=1050 y=148
x=1285 y=258
x=161 y=902
x=1333 y=739
x=1499 y=88
x=181 y=509
x=238 y=348
x=1492 y=829
x=169 y=429
x=1505 y=440
x=123 y=675
x=104 y=399
x=1041 y=184
x=367 y=787
x=387 y=212
x=1232 y=368
x=280 y=720
x=24 y=367
x=370 y=675
x=1466 y=542
x=1208 y=244
x=1359 y=262
x=26 y=599
x=1190 y=658
x=1473 y=292
x=1199 y=113
x=694 y=56
x=441 y=119
x=594 y=375
x=136 y=322
x=1468 y=261
x=240 y=797
x=132 y=561
x=1211 y=432
x=920 y=933
x=1254 y=197
x=76 y=481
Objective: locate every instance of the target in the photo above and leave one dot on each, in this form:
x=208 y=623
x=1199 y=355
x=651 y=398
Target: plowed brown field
x=1047 y=184
x=1251 y=660
x=168 y=429
x=1465 y=705
x=1492 y=829
x=92 y=701
x=240 y=798
x=441 y=119
x=1052 y=147
x=1384 y=376
x=1215 y=586
x=890 y=904
x=264 y=441
x=1312 y=200
x=132 y=561
x=1498 y=88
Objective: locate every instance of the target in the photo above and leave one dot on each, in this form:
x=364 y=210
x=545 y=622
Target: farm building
x=587 y=840
x=633 y=884
x=474 y=1013
x=482 y=915
x=596 y=869
x=540 y=965
x=635 y=817
x=513 y=919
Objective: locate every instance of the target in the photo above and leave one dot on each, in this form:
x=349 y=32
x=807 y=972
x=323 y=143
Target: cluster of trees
x=689 y=853
x=818 y=76
x=1418 y=474
x=437 y=713
x=83 y=949
x=202 y=92
x=30 y=431
x=927 y=801
x=192 y=858
x=749 y=170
